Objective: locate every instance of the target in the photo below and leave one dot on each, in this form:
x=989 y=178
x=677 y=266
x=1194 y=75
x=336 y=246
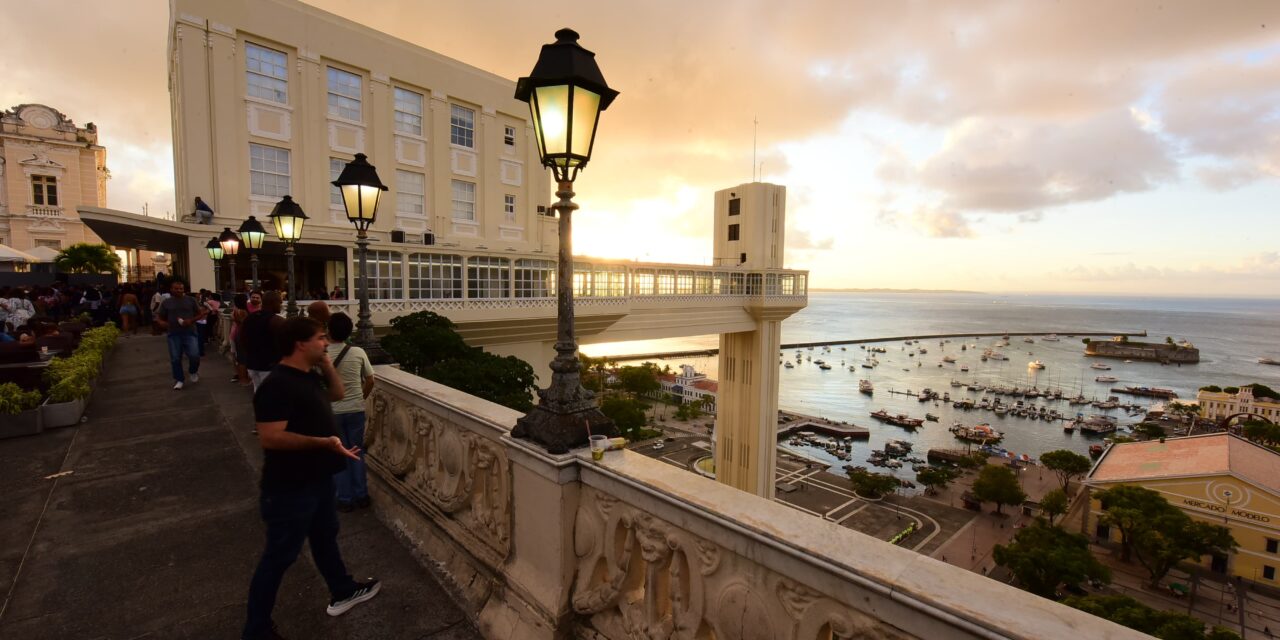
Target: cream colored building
x=48 y=167
x=1219 y=405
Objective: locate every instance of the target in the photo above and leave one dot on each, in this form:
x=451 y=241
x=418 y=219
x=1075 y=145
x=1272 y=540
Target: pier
x=830 y=343
x=790 y=422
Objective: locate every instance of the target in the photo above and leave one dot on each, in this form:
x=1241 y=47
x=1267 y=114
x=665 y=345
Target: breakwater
x=831 y=343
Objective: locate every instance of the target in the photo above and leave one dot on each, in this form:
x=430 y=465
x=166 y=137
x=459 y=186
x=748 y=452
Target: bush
x=13 y=400
x=627 y=414
x=70 y=377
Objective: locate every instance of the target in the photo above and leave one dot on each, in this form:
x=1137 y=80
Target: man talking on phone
x=301 y=453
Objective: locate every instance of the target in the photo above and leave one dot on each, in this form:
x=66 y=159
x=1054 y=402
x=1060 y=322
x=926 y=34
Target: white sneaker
x=195 y=378
x=177 y=386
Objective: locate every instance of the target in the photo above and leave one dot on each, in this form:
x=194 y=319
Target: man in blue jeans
x=178 y=314
x=301 y=452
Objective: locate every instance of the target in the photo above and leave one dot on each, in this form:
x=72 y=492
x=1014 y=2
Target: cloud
x=801 y=240
x=1257 y=266
x=928 y=221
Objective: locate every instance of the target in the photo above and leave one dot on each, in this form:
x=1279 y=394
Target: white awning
x=9 y=254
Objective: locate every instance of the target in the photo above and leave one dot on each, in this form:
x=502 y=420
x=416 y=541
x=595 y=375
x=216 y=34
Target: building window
x=462 y=126
x=642 y=283
x=267 y=73
x=1272 y=545
x=509 y=207
x=535 y=278
x=384 y=275
x=735 y=206
x=702 y=283
x=509 y=137
x=666 y=282
x=488 y=277
x=411 y=192
x=733 y=232
x=1268 y=572
x=435 y=276
x=44 y=190
x=464 y=200
x=268 y=171
x=344 y=94
x=408 y=112
x=335 y=169
x=684 y=283
x=609 y=281
x=581 y=279
x=51 y=244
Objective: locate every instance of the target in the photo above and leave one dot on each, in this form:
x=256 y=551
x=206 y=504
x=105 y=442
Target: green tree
x=1151 y=430
x=1173 y=537
x=935 y=478
x=426 y=344
x=626 y=413
x=1054 y=504
x=1085 y=340
x=84 y=257
x=1231 y=390
x=1261 y=432
x=998 y=484
x=1263 y=391
x=1042 y=557
x=639 y=381
x=1067 y=464
x=872 y=485
x=1212 y=388
x=1168 y=339
x=1168 y=625
x=1131 y=509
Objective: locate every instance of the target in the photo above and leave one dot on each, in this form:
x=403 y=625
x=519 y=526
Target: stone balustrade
x=541 y=546
x=44 y=211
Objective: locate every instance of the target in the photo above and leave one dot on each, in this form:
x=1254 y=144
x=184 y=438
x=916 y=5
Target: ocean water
x=1230 y=333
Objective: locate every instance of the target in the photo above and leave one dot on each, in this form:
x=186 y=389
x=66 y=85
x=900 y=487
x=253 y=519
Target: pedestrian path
x=142 y=522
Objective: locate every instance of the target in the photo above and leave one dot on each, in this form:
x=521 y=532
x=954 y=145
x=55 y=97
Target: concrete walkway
x=152 y=529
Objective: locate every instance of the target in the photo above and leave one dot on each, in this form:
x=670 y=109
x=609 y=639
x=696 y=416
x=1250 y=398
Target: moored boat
x=865 y=386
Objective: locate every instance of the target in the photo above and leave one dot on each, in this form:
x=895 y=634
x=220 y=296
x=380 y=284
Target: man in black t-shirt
x=301 y=452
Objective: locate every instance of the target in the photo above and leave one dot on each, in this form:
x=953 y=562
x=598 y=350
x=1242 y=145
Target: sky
x=1023 y=146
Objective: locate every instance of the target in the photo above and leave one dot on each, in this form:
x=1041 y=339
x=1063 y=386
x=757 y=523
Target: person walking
x=258 y=338
x=356 y=372
x=301 y=453
x=129 y=310
x=178 y=314
x=239 y=311
x=157 y=299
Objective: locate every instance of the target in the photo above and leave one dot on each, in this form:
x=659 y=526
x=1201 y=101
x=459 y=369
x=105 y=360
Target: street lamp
x=566 y=93
x=253 y=235
x=361 y=189
x=230 y=242
x=289 y=217
x=215 y=254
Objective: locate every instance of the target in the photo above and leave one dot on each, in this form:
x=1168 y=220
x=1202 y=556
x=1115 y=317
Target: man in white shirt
x=356 y=373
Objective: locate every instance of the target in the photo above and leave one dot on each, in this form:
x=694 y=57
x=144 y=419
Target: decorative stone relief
x=511 y=172
x=269 y=122
x=410 y=151
x=640 y=577
x=346 y=138
x=444 y=468
x=464 y=162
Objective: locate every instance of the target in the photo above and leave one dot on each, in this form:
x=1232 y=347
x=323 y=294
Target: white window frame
x=408 y=119
x=462 y=126
x=344 y=89
x=509 y=136
x=487 y=276
x=535 y=278
x=435 y=276
x=385 y=269
x=464 y=200
x=509 y=206
x=336 y=165
x=267 y=164
x=266 y=73
x=411 y=192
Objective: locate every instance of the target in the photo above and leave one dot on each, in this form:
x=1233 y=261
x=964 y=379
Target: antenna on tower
x=755 y=133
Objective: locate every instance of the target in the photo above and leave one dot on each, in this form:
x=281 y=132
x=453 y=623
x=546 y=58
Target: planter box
x=54 y=415
x=26 y=423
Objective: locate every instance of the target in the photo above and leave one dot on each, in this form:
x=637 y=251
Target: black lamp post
x=215 y=254
x=253 y=235
x=230 y=242
x=289 y=217
x=566 y=93
x=361 y=189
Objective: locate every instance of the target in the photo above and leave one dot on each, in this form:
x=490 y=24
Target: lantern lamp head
x=230 y=242
x=288 y=218
x=214 y=249
x=361 y=188
x=252 y=233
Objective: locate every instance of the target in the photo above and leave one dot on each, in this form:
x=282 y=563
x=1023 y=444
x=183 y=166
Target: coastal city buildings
x=1220 y=406
x=690 y=386
x=1218 y=478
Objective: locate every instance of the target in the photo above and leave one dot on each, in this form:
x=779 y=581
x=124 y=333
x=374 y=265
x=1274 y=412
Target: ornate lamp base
x=561 y=430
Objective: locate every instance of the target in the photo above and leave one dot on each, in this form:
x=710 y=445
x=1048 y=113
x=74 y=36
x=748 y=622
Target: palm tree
x=84 y=257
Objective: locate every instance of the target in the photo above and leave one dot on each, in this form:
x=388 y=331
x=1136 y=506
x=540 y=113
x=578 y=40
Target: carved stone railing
x=541 y=546
x=44 y=211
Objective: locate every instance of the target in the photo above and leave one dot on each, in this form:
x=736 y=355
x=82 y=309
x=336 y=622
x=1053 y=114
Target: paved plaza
x=143 y=522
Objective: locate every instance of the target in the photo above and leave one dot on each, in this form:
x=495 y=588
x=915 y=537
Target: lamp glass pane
x=361 y=201
x=288 y=228
x=253 y=239
x=586 y=106
x=215 y=253
x=230 y=247
x=553 y=118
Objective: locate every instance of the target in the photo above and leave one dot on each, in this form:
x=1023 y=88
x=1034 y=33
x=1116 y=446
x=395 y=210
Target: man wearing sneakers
x=301 y=453
x=178 y=314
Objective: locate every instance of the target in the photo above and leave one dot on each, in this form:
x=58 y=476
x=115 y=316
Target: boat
x=948 y=359
x=1053 y=337
x=868 y=365
x=925 y=395
x=930 y=417
x=1153 y=392
x=981 y=433
x=1028 y=340
x=964 y=367
x=788 y=365
x=824 y=366
x=1100 y=367
x=1035 y=364
x=1105 y=379
x=866 y=387
x=1268 y=361
x=901 y=419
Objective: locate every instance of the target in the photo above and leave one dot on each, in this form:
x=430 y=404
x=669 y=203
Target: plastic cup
x=598 y=445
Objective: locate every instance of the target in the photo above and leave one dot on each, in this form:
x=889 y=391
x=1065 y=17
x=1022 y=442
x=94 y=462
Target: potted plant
x=66 y=402
x=19 y=411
